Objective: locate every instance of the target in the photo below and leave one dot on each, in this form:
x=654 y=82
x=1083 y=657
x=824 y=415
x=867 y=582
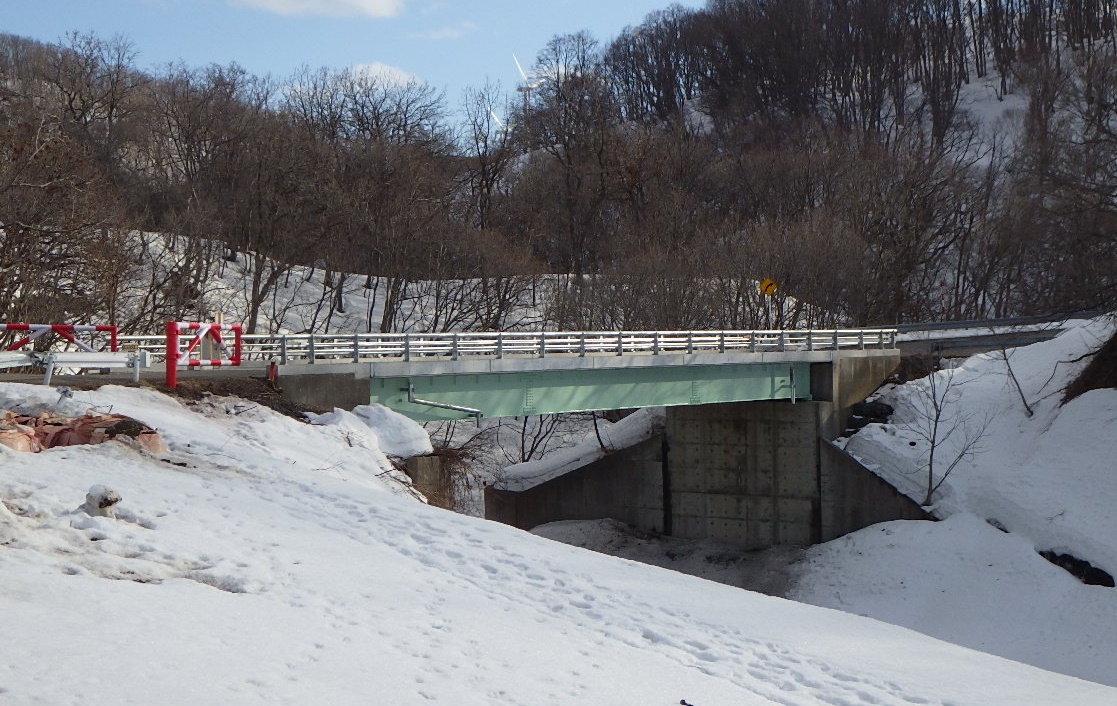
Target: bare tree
x=944 y=428
x=59 y=254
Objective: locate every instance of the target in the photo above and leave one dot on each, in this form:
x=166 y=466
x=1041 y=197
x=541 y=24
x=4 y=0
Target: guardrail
x=991 y=324
x=353 y=348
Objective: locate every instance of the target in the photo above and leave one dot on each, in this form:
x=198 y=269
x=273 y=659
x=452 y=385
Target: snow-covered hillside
x=1029 y=483
x=265 y=561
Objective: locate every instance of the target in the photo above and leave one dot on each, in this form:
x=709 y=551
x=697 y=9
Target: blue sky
x=451 y=44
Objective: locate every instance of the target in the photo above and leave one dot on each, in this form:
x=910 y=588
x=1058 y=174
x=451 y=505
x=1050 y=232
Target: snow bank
x=965 y=581
x=1048 y=477
x=265 y=561
x=636 y=427
x=379 y=428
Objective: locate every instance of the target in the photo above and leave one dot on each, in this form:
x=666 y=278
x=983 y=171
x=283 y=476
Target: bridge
x=439 y=376
x=430 y=376
x=743 y=457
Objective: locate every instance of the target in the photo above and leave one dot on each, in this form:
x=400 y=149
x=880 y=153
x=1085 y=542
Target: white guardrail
x=352 y=348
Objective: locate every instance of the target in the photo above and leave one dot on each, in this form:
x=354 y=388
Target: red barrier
x=66 y=331
x=177 y=357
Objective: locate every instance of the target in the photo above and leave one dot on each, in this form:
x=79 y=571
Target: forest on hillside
x=644 y=183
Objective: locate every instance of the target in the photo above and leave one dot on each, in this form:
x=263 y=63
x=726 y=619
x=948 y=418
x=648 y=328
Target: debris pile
x=32 y=434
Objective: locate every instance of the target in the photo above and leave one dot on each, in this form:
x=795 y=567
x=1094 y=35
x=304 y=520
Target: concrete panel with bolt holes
x=745 y=473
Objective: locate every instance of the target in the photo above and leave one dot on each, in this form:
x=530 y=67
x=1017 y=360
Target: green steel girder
x=515 y=394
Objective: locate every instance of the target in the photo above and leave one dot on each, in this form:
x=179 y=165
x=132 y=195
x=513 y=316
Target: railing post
x=783 y=339
x=500 y=344
x=310 y=349
x=171 y=352
x=810 y=340
x=836 y=342
x=542 y=344
x=356 y=348
x=655 y=343
x=454 y=347
x=721 y=341
x=582 y=344
x=752 y=341
x=620 y=342
x=690 y=342
x=283 y=350
x=861 y=339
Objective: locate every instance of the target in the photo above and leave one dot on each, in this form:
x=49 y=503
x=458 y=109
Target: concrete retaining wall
x=854 y=497
x=325 y=386
x=429 y=476
x=626 y=486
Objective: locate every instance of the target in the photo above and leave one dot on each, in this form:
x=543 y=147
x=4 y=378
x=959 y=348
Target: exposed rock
x=863 y=414
x=1083 y=570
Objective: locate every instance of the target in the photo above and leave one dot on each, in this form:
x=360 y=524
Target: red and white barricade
x=177 y=356
x=66 y=331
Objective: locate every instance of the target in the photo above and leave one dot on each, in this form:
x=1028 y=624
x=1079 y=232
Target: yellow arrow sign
x=767 y=287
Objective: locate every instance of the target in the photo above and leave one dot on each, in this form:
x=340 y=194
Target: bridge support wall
x=745 y=473
x=755 y=474
x=625 y=486
x=325 y=386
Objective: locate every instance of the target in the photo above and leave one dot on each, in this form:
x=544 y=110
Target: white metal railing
x=342 y=348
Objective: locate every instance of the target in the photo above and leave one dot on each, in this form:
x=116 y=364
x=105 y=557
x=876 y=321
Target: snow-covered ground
x=1048 y=478
x=266 y=561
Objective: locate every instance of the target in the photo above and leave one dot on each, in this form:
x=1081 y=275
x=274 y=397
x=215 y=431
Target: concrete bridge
x=455 y=376
x=744 y=456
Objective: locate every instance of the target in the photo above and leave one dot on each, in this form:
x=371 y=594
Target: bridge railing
x=340 y=348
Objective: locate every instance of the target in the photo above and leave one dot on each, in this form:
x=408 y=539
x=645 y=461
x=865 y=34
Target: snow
x=393 y=433
x=636 y=427
x=1048 y=476
x=964 y=581
x=262 y=560
x=1048 y=479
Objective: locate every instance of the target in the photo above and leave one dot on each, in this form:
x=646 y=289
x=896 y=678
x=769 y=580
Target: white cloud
x=384 y=73
x=330 y=8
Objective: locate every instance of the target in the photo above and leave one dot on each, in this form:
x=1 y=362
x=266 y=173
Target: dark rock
x=877 y=411
x=1083 y=570
x=863 y=414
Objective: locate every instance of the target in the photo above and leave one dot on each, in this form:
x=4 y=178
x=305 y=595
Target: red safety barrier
x=66 y=331
x=178 y=357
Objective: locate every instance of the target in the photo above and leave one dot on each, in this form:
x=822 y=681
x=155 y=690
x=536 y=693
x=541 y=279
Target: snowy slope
x=1048 y=479
x=1048 y=476
x=263 y=561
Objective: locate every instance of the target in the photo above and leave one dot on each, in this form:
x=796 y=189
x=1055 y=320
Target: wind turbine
x=503 y=130
x=530 y=83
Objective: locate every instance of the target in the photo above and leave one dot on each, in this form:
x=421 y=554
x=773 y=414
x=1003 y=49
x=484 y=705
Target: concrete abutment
x=755 y=474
